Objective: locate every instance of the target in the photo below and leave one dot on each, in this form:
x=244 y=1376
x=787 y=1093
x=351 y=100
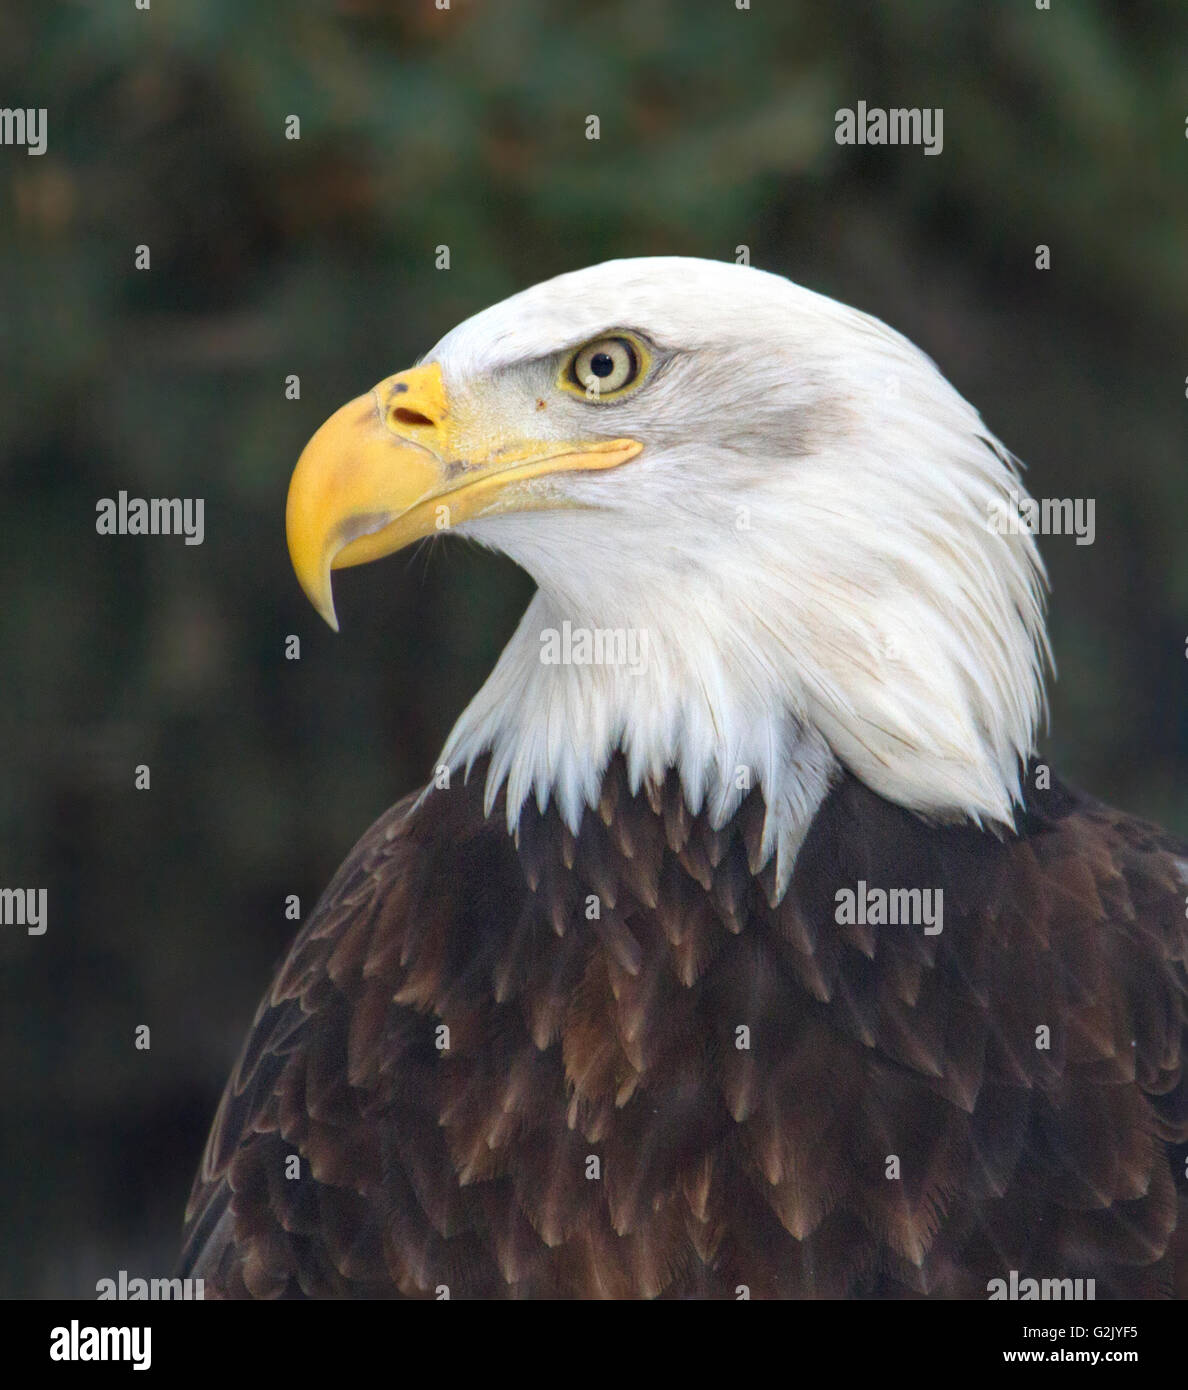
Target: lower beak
x=375 y=478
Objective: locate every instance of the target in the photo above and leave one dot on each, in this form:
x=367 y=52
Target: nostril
x=410 y=417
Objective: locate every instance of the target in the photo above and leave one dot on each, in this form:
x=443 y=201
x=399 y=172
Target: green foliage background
x=466 y=127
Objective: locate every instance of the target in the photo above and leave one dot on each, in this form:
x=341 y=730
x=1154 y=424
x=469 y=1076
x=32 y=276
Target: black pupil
x=602 y=364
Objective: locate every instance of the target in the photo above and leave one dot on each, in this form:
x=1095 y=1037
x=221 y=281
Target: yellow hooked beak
x=391 y=467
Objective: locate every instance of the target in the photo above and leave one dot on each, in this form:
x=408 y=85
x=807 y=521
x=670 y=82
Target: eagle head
x=763 y=529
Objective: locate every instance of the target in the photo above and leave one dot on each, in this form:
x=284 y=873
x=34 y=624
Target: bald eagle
x=740 y=945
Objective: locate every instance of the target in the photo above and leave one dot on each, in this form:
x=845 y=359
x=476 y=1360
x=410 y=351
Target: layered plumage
x=584 y=1018
x=764 y=1167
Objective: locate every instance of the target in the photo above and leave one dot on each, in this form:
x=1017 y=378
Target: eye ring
x=604 y=367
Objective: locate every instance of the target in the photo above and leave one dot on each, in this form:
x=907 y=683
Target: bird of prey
x=740 y=944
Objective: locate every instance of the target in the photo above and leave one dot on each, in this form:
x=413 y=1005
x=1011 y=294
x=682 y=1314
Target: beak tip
x=324 y=603
x=320 y=593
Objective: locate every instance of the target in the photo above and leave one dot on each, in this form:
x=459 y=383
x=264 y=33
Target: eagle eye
x=605 y=367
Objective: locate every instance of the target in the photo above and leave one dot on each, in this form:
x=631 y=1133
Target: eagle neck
x=571 y=692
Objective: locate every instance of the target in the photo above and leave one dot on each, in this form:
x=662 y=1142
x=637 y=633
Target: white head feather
x=805 y=540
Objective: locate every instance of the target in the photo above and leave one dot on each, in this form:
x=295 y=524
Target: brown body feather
x=614 y=1038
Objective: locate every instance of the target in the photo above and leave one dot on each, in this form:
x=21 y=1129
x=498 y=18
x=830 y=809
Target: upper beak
x=387 y=469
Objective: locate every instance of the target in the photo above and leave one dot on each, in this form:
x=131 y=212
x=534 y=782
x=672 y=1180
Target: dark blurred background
x=466 y=127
